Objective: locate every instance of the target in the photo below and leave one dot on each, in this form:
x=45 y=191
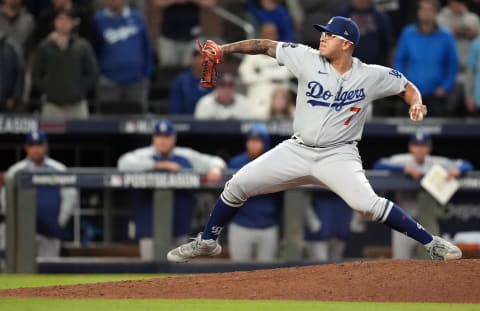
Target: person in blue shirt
x=327 y=228
x=164 y=155
x=186 y=89
x=427 y=55
x=271 y=11
x=420 y=204
x=55 y=205
x=253 y=234
x=124 y=56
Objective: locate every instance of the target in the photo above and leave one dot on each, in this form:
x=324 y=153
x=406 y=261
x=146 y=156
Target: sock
x=400 y=221
x=220 y=216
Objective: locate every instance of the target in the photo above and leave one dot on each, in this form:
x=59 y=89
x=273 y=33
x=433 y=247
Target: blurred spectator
x=223 y=103
x=17 y=24
x=186 y=89
x=271 y=11
x=472 y=80
x=375 y=30
x=295 y=10
x=180 y=26
x=82 y=13
x=253 y=234
x=164 y=155
x=64 y=70
x=421 y=205
x=327 y=227
x=400 y=13
x=281 y=105
x=11 y=76
x=464 y=25
x=427 y=55
x=261 y=74
x=124 y=57
x=55 y=205
x=317 y=12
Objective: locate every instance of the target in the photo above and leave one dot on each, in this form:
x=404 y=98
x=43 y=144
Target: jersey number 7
x=355 y=110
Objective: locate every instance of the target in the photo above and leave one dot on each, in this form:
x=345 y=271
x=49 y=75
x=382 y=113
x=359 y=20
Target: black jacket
x=11 y=73
x=65 y=76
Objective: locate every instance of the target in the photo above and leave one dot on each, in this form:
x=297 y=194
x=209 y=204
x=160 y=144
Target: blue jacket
x=334 y=215
x=49 y=200
x=427 y=60
x=182 y=206
x=278 y=16
x=185 y=93
x=260 y=211
x=123 y=51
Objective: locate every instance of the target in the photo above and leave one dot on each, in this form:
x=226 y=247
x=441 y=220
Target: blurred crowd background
x=75 y=58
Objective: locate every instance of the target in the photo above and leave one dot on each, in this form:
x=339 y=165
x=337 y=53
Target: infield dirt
x=374 y=281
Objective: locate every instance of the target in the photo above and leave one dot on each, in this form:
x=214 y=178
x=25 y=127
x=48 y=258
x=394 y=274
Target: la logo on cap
x=35 y=135
x=330 y=21
x=163 y=127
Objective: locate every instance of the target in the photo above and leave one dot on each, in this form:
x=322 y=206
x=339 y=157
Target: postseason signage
x=148 y=180
x=17 y=125
x=154 y=180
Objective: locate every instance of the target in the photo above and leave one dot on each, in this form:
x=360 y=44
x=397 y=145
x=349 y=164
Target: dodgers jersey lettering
x=331 y=108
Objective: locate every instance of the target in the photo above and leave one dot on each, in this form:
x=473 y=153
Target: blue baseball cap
x=259 y=131
x=164 y=127
x=37 y=137
x=343 y=27
x=420 y=139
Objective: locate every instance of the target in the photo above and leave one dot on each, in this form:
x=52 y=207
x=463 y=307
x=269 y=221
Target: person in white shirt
x=164 y=155
x=421 y=205
x=261 y=75
x=223 y=103
x=464 y=25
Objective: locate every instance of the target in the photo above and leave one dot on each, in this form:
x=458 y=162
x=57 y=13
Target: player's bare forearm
x=252 y=46
x=412 y=97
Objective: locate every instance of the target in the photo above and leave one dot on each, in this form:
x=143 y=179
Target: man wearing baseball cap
x=164 y=155
x=254 y=233
x=55 y=205
x=334 y=93
x=415 y=164
x=342 y=27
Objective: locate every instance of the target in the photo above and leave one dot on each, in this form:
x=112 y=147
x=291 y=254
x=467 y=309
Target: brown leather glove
x=212 y=56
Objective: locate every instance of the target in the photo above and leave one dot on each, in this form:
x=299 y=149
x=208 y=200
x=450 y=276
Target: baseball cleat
x=197 y=247
x=442 y=249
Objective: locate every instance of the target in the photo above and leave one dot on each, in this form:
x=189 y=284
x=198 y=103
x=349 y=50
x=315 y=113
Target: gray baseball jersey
x=329 y=119
x=331 y=108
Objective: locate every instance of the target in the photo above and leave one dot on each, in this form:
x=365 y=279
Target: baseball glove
x=212 y=56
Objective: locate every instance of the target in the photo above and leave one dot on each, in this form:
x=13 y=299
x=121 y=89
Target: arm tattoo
x=253 y=46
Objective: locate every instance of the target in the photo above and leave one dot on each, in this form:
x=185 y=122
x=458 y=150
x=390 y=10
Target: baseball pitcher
x=334 y=90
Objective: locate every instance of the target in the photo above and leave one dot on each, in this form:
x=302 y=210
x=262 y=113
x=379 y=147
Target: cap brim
x=320 y=28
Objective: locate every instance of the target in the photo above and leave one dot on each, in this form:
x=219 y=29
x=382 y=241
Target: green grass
x=22 y=304
x=32 y=280
x=218 y=305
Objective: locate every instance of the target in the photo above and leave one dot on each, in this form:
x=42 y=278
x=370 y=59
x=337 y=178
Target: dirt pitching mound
x=380 y=281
